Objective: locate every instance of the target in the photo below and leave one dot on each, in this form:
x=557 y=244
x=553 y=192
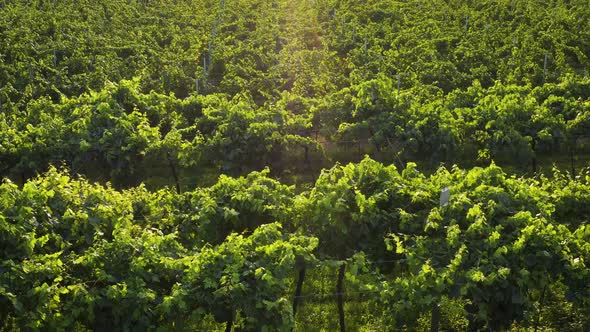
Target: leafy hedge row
x=84 y=256
x=120 y=134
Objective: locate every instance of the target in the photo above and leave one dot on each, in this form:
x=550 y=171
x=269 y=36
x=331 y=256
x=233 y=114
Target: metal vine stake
x=445 y=195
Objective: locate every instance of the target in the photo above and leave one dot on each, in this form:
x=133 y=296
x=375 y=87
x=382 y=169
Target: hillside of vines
x=307 y=165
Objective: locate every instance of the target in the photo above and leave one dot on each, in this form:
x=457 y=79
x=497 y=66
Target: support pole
x=298 y=289
x=435 y=318
x=545 y=69
x=340 y=297
x=174 y=174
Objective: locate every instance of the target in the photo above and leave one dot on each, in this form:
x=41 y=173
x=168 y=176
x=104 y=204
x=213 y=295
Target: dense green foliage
x=239 y=104
x=120 y=134
x=231 y=87
x=84 y=256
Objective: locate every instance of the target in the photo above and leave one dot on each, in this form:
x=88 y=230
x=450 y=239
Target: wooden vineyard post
x=541 y=303
x=572 y=162
x=306 y=157
x=379 y=155
x=31 y=78
x=435 y=318
x=545 y=69
x=204 y=74
x=358 y=146
x=174 y=173
x=299 y=288
x=165 y=80
x=445 y=195
x=340 y=296
x=534 y=148
x=229 y=324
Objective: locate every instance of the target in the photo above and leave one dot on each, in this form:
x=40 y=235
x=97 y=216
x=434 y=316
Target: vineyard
x=308 y=165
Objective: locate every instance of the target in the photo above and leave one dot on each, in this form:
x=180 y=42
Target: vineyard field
x=304 y=165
